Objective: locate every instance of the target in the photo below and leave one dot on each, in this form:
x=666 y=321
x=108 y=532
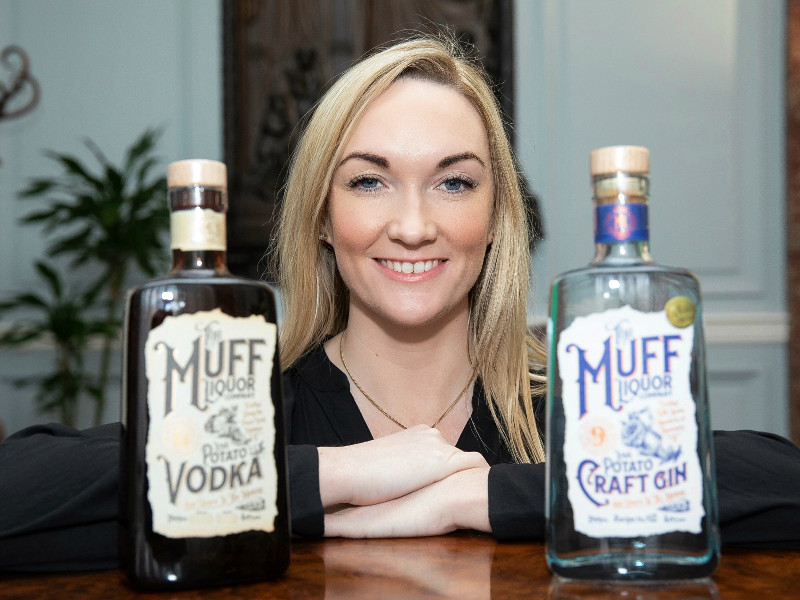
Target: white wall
x=108 y=69
x=701 y=84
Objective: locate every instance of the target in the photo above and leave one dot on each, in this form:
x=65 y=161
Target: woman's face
x=410 y=205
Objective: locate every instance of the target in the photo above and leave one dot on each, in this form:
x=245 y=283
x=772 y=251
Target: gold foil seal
x=681 y=311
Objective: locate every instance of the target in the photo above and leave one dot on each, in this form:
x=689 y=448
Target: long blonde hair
x=509 y=360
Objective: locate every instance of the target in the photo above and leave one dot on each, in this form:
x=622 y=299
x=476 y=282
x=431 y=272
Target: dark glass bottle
x=204 y=484
x=630 y=466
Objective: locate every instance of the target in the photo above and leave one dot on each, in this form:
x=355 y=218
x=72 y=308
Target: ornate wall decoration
x=21 y=95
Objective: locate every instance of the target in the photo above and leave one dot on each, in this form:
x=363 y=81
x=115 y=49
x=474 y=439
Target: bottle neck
x=197 y=229
x=625 y=253
x=621 y=232
x=199 y=260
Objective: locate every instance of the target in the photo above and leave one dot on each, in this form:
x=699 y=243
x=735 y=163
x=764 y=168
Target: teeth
x=408 y=267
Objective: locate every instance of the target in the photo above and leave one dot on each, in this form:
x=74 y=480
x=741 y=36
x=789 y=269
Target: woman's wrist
x=469 y=499
x=334 y=483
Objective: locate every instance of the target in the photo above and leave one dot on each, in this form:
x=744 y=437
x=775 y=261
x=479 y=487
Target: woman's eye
x=365 y=183
x=456 y=184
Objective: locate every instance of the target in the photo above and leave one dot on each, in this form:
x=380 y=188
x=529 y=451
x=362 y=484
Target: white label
x=630 y=443
x=197 y=229
x=210 y=442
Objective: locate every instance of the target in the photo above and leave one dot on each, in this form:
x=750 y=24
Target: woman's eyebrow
x=373 y=158
x=451 y=160
x=384 y=163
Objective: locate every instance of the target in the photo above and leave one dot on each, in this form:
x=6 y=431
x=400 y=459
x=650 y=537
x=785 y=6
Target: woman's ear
x=324 y=234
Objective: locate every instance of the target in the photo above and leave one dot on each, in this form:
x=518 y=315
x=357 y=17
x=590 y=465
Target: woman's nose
x=412 y=224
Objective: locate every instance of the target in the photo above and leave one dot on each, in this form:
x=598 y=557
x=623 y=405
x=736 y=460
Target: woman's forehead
x=419 y=117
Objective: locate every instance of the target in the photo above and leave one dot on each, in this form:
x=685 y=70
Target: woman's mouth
x=420 y=266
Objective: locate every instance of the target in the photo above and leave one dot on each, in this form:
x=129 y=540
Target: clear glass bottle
x=204 y=486
x=630 y=471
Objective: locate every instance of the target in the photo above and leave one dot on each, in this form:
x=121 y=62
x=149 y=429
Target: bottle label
x=630 y=441
x=615 y=223
x=211 y=435
x=197 y=229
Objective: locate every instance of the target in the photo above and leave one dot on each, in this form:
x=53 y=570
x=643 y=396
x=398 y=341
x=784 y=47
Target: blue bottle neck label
x=618 y=223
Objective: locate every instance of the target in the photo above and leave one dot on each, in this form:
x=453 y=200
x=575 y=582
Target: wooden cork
x=630 y=159
x=197 y=172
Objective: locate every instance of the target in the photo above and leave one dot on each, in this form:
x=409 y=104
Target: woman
x=405 y=167
x=412 y=383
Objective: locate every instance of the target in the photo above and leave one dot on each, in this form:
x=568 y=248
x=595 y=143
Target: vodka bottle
x=204 y=488
x=630 y=472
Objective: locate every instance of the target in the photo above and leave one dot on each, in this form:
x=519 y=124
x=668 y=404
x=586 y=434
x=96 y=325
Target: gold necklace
x=376 y=405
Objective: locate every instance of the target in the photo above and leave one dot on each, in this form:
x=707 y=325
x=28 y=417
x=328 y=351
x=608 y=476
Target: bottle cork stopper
x=196 y=171
x=631 y=159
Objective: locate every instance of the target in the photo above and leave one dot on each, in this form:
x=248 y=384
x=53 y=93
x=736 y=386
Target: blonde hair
x=509 y=360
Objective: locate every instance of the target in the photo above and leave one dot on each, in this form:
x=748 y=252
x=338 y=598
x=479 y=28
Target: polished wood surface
x=462 y=566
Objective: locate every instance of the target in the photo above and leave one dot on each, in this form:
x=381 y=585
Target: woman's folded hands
x=412 y=483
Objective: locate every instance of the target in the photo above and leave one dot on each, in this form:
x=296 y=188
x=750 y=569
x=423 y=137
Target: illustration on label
x=631 y=434
x=211 y=436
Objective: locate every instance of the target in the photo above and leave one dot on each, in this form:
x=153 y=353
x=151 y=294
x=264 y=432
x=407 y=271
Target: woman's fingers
x=459 y=501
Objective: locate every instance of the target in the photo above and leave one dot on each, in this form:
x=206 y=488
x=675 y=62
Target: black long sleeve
x=59 y=501
x=758 y=483
x=758 y=489
x=58 y=489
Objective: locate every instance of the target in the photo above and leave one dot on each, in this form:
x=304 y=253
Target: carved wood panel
x=281 y=56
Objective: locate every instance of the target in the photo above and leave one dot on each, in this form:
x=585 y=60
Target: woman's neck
x=414 y=374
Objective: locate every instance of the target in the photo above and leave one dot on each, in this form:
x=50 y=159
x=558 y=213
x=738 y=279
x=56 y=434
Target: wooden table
x=464 y=566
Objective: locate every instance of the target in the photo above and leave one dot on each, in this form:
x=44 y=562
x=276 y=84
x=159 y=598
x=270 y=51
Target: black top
x=321 y=411
x=58 y=486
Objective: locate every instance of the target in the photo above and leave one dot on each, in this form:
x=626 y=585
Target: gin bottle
x=204 y=488
x=630 y=471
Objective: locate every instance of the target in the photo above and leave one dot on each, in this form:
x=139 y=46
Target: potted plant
x=111 y=217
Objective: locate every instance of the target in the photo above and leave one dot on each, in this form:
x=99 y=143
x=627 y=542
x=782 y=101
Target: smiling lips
x=420 y=266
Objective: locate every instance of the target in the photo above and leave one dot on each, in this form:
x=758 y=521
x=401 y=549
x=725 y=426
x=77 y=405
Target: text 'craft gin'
x=204 y=484
x=630 y=472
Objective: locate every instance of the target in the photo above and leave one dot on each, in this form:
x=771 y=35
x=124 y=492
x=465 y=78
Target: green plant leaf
x=20 y=382
x=95 y=150
x=38 y=187
x=75 y=241
x=143 y=171
x=74 y=168
x=51 y=277
x=115 y=181
x=141 y=147
x=21 y=335
x=44 y=215
x=28 y=299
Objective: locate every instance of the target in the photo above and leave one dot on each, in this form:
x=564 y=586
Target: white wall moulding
x=747 y=328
